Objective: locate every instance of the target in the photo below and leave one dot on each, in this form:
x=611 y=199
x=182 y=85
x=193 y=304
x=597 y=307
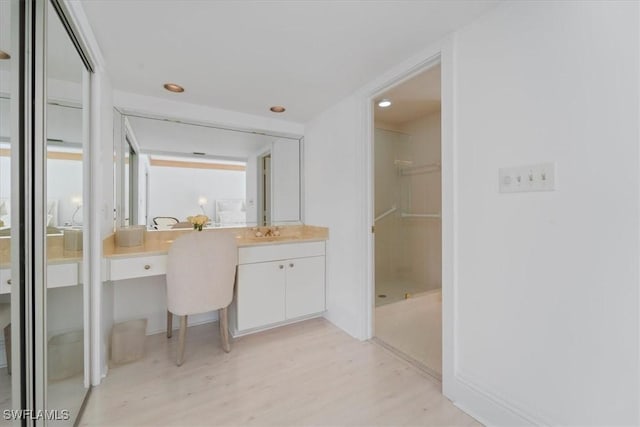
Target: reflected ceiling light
x=278 y=109
x=4 y=55
x=172 y=87
x=384 y=103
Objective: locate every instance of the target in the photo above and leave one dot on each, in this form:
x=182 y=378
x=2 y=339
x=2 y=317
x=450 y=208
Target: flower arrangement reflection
x=198 y=221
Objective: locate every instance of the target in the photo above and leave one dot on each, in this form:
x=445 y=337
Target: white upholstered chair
x=201 y=271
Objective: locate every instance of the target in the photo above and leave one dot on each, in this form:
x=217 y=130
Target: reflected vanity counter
x=281 y=279
x=63 y=266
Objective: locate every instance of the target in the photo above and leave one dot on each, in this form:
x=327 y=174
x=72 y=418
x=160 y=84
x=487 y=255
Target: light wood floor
x=310 y=373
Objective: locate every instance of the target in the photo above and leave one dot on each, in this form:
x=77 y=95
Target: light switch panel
x=539 y=177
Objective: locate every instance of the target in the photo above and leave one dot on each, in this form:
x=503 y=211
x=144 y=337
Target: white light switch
x=540 y=177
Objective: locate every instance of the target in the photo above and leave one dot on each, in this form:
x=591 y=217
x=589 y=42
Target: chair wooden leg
x=169 y=324
x=181 y=339
x=224 y=329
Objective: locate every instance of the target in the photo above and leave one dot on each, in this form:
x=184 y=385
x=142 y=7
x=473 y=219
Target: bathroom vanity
x=280 y=279
x=64 y=267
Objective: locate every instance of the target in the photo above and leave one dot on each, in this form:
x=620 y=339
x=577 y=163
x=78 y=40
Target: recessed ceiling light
x=384 y=103
x=278 y=109
x=4 y=55
x=172 y=87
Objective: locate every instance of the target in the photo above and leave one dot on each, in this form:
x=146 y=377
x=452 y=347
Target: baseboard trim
x=489 y=407
x=236 y=334
x=433 y=375
x=176 y=325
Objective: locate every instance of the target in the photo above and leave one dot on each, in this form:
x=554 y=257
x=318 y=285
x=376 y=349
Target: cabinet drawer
x=5 y=277
x=59 y=275
x=129 y=268
x=283 y=251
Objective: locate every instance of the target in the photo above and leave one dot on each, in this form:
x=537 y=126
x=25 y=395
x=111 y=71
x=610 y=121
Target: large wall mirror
x=64 y=165
x=167 y=170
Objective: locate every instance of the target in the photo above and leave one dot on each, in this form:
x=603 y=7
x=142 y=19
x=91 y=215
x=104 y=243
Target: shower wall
x=423 y=236
x=408 y=249
x=389 y=248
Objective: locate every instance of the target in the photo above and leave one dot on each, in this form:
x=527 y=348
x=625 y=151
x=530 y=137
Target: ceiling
x=411 y=99
x=249 y=55
x=63 y=61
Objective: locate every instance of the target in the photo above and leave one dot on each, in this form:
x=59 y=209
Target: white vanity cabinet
x=278 y=284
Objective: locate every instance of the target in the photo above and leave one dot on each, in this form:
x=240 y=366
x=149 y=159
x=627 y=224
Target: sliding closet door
x=43 y=298
x=12 y=249
x=64 y=341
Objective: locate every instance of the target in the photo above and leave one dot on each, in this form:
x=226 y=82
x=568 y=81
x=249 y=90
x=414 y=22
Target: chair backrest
x=201 y=271
x=164 y=222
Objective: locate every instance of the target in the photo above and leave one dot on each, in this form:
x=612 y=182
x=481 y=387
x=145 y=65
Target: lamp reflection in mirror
x=77 y=202
x=202 y=201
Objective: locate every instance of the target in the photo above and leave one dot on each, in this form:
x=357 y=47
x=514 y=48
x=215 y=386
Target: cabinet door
x=260 y=294
x=305 y=286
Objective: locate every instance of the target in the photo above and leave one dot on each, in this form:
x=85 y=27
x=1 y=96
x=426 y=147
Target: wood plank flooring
x=307 y=374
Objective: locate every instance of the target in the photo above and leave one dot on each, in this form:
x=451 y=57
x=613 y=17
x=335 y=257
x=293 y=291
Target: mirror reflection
x=171 y=170
x=66 y=347
x=7 y=89
x=64 y=167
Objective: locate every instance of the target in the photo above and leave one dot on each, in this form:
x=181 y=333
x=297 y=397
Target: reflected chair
x=201 y=272
x=164 y=222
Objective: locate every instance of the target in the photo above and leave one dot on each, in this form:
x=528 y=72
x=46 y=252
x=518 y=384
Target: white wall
x=548 y=282
x=64 y=183
x=285 y=191
x=545 y=318
x=333 y=178
x=146 y=298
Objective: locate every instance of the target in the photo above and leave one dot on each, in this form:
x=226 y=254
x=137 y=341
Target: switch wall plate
x=538 y=177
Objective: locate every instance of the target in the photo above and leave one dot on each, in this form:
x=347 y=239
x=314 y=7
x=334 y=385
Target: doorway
x=407 y=219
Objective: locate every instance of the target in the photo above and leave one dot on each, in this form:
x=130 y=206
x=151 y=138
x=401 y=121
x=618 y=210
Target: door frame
x=441 y=53
x=262 y=183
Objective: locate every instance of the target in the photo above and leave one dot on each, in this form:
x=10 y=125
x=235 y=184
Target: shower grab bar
x=420 y=169
x=409 y=215
x=389 y=212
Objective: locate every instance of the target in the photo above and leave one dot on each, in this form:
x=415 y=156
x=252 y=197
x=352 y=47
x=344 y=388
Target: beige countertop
x=158 y=242
x=56 y=254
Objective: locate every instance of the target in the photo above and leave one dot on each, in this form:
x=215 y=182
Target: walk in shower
x=407 y=224
x=408 y=254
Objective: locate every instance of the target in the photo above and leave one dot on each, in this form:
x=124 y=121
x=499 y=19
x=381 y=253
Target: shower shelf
x=410 y=215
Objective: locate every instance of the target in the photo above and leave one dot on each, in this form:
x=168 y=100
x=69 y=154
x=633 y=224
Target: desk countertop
x=56 y=254
x=158 y=242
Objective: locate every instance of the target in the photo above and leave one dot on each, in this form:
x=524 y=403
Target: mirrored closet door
x=65 y=219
